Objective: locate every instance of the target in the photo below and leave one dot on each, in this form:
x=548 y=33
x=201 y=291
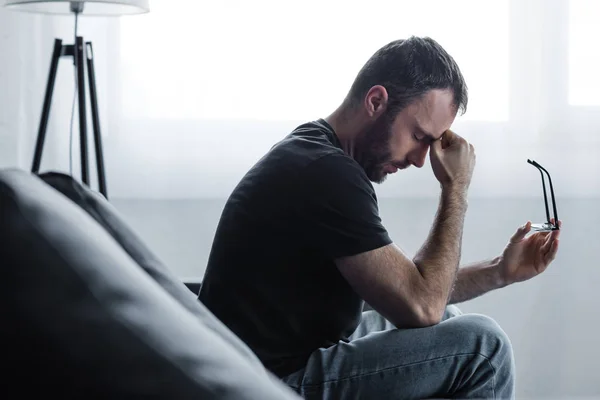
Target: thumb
x=448 y=138
x=436 y=148
x=521 y=232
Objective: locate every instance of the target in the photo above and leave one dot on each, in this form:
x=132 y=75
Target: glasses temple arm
x=551 y=194
x=543 y=187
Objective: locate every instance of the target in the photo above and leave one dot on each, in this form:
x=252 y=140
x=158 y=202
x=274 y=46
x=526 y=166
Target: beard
x=372 y=150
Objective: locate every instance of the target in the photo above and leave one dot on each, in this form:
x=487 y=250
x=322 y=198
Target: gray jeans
x=464 y=356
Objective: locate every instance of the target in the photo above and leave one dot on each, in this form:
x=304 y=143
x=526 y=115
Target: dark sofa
x=89 y=311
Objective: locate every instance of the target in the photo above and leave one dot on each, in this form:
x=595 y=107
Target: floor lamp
x=83 y=56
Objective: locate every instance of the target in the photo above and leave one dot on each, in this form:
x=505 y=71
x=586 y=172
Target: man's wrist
x=498 y=269
x=456 y=194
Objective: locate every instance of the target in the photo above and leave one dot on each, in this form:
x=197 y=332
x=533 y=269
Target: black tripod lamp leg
x=41 y=137
x=79 y=59
x=96 y=120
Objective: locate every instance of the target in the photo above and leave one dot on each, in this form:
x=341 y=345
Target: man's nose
x=419 y=156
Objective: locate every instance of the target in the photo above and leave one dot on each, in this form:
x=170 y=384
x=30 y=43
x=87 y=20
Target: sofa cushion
x=106 y=215
x=81 y=318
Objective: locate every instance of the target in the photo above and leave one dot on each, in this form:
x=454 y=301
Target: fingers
x=550 y=247
x=548 y=239
x=521 y=232
x=551 y=255
x=448 y=138
x=436 y=146
x=559 y=222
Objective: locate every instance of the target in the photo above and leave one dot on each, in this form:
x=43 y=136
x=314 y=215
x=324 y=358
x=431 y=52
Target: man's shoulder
x=308 y=142
x=308 y=157
x=336 y=170
x=319 y=150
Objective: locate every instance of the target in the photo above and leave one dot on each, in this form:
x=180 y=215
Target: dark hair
x=408 y=68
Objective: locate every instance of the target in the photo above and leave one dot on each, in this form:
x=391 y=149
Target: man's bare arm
x=439 y=257
x=413 y=293
x=476 y=279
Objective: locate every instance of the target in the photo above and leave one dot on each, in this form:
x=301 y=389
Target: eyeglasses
x=548 y=225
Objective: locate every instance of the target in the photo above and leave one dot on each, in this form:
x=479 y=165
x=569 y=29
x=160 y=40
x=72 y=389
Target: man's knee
x=484 y=335
x=493 y=366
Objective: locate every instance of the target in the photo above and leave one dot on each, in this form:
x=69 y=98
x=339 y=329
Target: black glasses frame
x=548 y=225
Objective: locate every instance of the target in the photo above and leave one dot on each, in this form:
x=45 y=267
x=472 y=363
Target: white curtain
x=20 y=51
x=194 y=92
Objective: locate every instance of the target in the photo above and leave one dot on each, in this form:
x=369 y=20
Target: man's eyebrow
x=429 y=135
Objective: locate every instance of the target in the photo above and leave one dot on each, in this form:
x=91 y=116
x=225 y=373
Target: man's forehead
x=433 y=114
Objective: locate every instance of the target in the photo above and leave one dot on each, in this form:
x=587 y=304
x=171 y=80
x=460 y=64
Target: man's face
x=397 y=142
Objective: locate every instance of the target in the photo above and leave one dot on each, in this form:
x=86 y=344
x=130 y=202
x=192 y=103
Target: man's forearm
x=439 y=257
x=476 y=279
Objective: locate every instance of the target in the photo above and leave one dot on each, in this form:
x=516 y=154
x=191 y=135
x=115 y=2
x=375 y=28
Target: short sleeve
x=338 y=208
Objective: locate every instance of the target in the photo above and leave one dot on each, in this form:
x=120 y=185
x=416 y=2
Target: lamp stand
x=79 y=53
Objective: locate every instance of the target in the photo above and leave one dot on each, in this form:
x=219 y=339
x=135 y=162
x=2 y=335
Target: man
x=300 y=246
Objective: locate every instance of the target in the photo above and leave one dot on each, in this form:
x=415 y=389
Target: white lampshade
x=90 y=7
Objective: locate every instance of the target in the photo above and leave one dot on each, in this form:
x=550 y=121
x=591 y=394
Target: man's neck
x=347 y=125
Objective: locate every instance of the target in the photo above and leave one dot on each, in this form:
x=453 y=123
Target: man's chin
x=380 y=173
x=379 y=177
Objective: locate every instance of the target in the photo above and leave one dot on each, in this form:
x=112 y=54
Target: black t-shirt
x=271 y=276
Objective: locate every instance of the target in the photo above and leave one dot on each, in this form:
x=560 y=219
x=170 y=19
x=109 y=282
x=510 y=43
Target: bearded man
x=300 y=247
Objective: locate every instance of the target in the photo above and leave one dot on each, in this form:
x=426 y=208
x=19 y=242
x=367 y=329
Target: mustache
x=401 y=165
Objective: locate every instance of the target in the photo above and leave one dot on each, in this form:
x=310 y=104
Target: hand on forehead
x=448 y=137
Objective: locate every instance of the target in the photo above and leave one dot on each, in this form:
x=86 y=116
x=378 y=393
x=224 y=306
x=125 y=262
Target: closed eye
x=418 y=137
x=422 y=138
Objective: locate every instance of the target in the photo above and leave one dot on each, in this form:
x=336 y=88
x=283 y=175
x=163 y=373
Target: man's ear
x=376 y=101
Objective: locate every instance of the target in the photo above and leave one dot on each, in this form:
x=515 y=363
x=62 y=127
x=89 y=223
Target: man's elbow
x=419 y=316
x=428 y=315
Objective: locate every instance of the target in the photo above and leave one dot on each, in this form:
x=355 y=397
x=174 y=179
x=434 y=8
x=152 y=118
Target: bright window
x=584 y=53
x=278 y=60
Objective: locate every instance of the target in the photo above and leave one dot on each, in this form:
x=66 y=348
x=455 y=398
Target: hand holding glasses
x=550 y=224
